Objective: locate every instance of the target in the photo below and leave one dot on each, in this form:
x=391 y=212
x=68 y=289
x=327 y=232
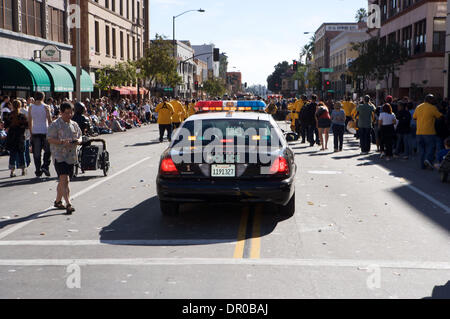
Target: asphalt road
x=363 y=228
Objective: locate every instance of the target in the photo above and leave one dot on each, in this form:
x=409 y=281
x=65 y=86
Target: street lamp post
x=173 y=38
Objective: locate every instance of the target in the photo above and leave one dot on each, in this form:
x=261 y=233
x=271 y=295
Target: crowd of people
x=94 y=117
x=399 y=128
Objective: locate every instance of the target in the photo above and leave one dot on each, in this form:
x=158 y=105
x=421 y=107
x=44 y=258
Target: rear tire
x=289 y=209
x=169 y=208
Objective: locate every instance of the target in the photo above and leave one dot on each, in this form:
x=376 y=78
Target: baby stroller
x=92 y=157
x=444 y=170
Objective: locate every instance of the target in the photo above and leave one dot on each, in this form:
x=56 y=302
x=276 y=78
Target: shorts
x=324 y=123
x=62 y=168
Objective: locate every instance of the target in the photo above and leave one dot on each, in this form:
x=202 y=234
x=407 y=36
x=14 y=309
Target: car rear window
x=237 y=131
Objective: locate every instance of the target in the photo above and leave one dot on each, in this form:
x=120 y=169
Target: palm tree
x=361 y=15
x=308 y=49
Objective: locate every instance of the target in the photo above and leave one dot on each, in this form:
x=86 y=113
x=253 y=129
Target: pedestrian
x=165 y=113
x=323 y=122
x=338 y=119
x=403 y=131
x=148 y=112
x=5 y=106
x=64 y=135
x=24 y=111
x=386 y=125
x=272 y=108
x=39 y=118
x=16 y=123
x=179 y=114
x=348 y=106
x=191 y=109
x=365 y=113
x=426 y=115
x=300 y=128
x=308 y=118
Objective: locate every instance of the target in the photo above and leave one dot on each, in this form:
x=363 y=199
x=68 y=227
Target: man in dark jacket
x=403 y=130
x=307 y=117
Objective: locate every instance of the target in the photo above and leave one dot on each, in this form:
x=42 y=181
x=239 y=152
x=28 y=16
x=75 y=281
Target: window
x=439 y=30
x=138 y=12
x=121 y=7
x=113 y=5
x=31 y=17
x=132 y=10
x=420 y=37
x=108 y=51
x=114 y=42
x=391 y=38
x=55 y=24
x=138 y=48
x=128 y=47
x=121 y=45
x=134 y=47
x=128 y=9
x=384 y=13
x=407 y=38
x=107 y=4
x=6 y=12
x=97 y=37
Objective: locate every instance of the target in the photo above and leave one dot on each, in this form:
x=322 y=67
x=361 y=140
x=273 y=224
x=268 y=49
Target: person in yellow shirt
x=348 y=106
x=191 y=110
x=271 y=108
x=179 y=113
x=165 y=113
x=426 y=115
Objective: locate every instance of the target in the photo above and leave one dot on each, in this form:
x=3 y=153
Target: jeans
x=406 y=140
x=16 y=159
x=338 y=133
x=39 y=144
x=162 y=129
x=311 y=130
x=426 y=146
x=27 y=153
x=387 y=139
x=364 y=139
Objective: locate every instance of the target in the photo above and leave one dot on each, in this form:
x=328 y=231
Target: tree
x=308 y=49
x=214 y=87
x=158 y=65
x=361 y=15
x=274 y=80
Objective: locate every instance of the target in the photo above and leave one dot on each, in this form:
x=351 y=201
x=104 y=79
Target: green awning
x=61 y=79
x=86 y=82
x=23 y=75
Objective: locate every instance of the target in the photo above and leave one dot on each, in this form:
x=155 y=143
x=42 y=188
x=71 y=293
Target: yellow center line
x=255 y=252
x=239 y=250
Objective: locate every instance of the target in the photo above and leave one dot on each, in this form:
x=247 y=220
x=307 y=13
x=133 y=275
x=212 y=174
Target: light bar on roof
x=240 y=106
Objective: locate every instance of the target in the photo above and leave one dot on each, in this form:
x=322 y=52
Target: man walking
x=426 y=115
x=365 y=112
x=308 y=118
x=179 y=114
x=165 y=112
x=64 y=135
x=39 y=118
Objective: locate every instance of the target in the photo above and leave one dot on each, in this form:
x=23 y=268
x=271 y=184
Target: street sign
x=324 y=70
x=168 y=89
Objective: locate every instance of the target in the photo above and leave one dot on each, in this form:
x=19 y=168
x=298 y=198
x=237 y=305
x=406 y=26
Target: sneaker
x=428 y=164
x=46 y=172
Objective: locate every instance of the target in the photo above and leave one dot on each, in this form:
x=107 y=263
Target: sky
x=255 y=34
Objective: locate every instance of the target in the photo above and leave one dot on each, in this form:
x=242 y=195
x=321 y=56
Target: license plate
x=223 y=170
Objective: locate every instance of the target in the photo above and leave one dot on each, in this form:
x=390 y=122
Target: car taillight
x=168 y=167
x=280 y=166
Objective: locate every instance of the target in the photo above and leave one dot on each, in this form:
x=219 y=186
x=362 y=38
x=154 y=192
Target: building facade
x=113 y=31
x=420 y=26
x=205 y=52
x=447 y=56
x=186 y=68
x=341 y=55
x=234 y=82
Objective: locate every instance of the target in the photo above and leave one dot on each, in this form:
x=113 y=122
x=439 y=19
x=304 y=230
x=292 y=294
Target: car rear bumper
x=255 y=191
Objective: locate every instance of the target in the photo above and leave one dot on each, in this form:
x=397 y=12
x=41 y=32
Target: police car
x=228 y=151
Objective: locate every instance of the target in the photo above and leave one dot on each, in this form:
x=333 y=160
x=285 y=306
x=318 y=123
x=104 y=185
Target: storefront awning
x=133 y=90
x=61 y=79
x=122 y=90
x=23 y=75
x=86 y=82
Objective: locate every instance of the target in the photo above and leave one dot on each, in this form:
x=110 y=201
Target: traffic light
x=327 y=85
x=216 y=57
x=295 y=65
x=196 y=85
